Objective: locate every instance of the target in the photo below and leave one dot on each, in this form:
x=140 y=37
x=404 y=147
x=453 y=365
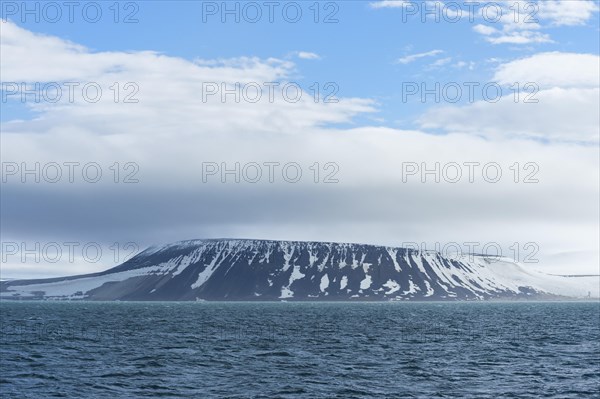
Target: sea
x=299 y=350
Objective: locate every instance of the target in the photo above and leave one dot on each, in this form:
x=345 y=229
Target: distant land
x=267 y=270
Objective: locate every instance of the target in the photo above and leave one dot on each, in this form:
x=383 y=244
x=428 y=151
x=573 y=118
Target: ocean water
x=299 y=350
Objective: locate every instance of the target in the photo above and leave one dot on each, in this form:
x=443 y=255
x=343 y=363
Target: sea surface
x=299 y=350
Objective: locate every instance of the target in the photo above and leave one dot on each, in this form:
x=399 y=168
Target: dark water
x=288 y=350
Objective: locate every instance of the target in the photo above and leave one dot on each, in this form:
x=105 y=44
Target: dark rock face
x=276 y=270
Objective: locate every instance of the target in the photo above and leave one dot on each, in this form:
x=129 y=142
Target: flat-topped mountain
x=239 y=269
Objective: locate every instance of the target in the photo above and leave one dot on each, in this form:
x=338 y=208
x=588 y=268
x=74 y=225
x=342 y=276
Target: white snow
x=513 y=275
x=419 y=262
x=429 y=289
x=188 y=260
x=392 y=285
x=286 y=292
x=393 y=253
x=324 y=283
x=312 y=258
x=296 y=274
x=344 y=282
x=322 y=264
x=71 y=287
x=412 y=289
x=287 y=256
x=366 y=283
x=366 y=267
x=208 y=271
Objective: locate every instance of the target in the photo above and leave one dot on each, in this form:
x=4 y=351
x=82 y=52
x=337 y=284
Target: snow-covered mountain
x=232 y=269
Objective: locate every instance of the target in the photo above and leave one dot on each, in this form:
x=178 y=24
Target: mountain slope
x=230 y=269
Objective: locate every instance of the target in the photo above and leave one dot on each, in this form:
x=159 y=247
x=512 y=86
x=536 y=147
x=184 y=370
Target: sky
x=430 y=124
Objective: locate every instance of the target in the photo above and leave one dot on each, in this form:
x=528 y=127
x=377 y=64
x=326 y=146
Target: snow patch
x=392 y=285
x=324 y=283
x=286 y=292
x=365 y=283
x=412 y=289
x=344 y=282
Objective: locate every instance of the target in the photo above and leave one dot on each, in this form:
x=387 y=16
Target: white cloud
x=485 y=29
x=567 y=12
x=567 y=108
x=413 y=57
x=512 y=30
x=441 y=62
x=413 y=7
x=390 y=3
x=522 y=21
x=53 y=59
x=552 y=69
x=308 y=56
x=560 y=115
x=522 y=37
x=462 y=64
x=164 y=81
